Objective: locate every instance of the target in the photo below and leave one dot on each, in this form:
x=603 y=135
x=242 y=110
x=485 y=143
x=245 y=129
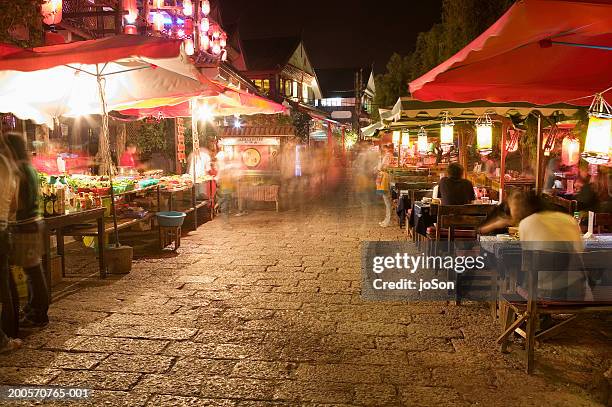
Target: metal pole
x=539 y=157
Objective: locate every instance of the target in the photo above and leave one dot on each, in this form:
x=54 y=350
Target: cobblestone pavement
x=267 y=312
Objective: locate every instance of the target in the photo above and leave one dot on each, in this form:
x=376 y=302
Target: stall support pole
x=195 y=137
x=502 y=164
x=539 y=157
x=343 y=143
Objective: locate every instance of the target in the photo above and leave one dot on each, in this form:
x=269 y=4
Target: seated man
x=453 y=189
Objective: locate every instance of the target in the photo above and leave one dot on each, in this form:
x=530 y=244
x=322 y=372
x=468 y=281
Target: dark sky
x=338 y=33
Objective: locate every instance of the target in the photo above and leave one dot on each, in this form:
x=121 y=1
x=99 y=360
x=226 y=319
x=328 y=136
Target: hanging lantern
x=157 y=4
x=204 y=25
x=406 y=139
x=570 y=151
x=188 y=26
x=512 y=140
x=204 y=42
x=484 y=134
x=422 y=141
x=158 y=22
x=187 y=7
x=51 y=11
x=598 y=141
x=224 y=55
x=223 y=40
x=396 y=137
x=189 y=48
x=216 y=48
x=447 y=130
x=205 y=7
x=216 y=32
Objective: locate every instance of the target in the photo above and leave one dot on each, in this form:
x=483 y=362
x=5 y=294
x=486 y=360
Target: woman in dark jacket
x=28 y=223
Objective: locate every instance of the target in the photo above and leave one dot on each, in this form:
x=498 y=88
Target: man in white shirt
x=544 y=230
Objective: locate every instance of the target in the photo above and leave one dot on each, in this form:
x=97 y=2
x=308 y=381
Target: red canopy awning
x=539 y=51
x=87 y=52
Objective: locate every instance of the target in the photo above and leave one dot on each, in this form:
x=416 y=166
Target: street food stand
x=256 y=152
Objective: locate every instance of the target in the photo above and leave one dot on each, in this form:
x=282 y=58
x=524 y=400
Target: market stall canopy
x=409 y=109
x=47 y=82
x=228 y=102
x=371 y=130
x=539 y=51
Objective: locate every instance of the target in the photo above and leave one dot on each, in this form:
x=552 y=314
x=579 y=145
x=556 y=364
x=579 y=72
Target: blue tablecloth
x=421 y=217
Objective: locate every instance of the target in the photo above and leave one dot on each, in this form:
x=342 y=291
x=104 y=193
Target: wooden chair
x=603 y=223
x=561 y=204
x=416 y=195
x=469 y=231
x=518 y=309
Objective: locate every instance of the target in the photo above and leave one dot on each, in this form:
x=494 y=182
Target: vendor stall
x=256 y=152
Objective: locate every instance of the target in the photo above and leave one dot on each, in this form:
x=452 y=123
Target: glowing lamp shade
x=158 y=22
x=447 y=134
x=204 y=25
x=158 y=3
x=187 y=7
x=570 y=151
x=206 y=7
x=216 y=48
x=396 y=138
x=484 y=138
x=422 y=143
x=131 y=8
x=204 y=42
x=51 y=11
x=189 y=47
x=406 y=139
x=223 y=40
x=598 y=143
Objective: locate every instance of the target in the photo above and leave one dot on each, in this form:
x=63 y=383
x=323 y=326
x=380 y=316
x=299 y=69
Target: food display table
x=61 y=225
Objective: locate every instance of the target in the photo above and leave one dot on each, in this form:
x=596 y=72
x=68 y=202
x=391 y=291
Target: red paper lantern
x=570 y=151
x=188 y=27
x=51 y=11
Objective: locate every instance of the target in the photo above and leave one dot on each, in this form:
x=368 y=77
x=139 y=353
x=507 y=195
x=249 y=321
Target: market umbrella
x=539 y=51
x=229 y=102
x=92 y=77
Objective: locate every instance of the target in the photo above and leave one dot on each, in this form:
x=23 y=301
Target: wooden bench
x=518 y=310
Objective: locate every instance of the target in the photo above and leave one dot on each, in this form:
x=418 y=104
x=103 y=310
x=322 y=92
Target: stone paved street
x=268 y=311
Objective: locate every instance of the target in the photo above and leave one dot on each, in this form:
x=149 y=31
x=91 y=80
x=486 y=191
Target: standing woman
x=27 y=237
x=382 y=184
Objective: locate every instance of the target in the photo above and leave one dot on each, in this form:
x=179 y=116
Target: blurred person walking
x=382 y=183
x=9 y=307
x=27 y=236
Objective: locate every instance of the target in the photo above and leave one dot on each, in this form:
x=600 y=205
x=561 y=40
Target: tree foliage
x=21 y=22
x=462 y=22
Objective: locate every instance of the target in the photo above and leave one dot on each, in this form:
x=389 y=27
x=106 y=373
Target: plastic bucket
x=170 y=218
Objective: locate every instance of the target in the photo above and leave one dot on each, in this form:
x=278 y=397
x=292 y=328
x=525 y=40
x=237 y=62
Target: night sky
x=338 y=33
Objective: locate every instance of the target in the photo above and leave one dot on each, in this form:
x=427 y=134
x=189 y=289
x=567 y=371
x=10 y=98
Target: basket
x=119 y=259
x=170 y=218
